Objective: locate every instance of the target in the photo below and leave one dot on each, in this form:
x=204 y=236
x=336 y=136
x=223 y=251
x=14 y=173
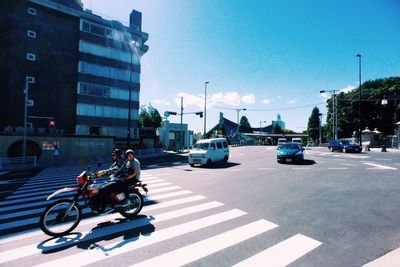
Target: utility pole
x=359 y=98
x=182 y=136
x=205 y=109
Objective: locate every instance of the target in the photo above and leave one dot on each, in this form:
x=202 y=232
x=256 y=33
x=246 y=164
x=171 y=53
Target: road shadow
x=131 y=230
x=304 y=162
x=218 y=165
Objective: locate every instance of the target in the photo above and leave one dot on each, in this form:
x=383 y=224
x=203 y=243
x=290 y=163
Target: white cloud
x=292 y=101
x=266 y=101
x=347 y=89
x=248 y=99
x=233 y=99
x=229 y=98
x=157 y=101
x=189 y=100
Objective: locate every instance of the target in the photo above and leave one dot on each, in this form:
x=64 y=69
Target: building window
x=31 y=11
x=31 y=56
x=31 y=34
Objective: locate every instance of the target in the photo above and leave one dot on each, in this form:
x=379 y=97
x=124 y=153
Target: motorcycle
x=64 y=215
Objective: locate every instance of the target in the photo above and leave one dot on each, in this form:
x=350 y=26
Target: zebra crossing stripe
x=282 y=254
x=172 y=203
x=209 y=246
x=145 y=209
x=169 y=188
x=17 y=253
x=94 y=255
x=168 y=195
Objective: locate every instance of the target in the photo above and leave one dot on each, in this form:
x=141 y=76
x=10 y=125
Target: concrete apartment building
x=80 y=69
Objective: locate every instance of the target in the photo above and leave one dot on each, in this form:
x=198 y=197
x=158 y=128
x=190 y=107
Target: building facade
x=79 y=70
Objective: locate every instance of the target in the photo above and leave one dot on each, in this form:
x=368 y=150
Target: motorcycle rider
x=118 y=163
x=127 y=175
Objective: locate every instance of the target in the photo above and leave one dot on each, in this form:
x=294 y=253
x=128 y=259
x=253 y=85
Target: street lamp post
x=130 y=98
x=28 y=80
x=359 y=98
x=320 y=134
x=205 y=109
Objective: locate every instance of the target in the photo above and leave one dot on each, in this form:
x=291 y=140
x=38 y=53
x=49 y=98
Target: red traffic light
x=52 y=123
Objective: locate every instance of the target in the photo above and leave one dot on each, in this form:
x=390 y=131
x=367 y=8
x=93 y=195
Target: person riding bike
x=118 y=163
x=128 y=174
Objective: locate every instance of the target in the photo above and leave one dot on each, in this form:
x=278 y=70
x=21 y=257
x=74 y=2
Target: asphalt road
x=334 y=209
x=349 y=202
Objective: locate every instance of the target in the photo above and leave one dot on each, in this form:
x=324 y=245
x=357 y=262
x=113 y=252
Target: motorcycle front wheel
x=60 y=218
x=134 y=207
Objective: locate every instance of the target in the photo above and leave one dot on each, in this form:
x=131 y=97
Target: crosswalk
x=176 y=227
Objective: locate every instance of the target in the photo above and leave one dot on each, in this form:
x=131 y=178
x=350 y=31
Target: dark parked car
x=344 y=146
x=290 y=152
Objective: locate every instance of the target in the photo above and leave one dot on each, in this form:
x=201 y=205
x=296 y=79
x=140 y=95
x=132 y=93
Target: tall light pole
x=132 y=45
x=205 y=109
x=359 y=98
x=28 y=80
x=320 y=135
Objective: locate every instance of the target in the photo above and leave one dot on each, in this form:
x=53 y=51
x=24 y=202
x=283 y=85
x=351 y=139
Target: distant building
x=80 y=68
x=231 y=127
x=279 y=122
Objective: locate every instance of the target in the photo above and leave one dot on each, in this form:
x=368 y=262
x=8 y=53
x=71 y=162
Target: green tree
x=373 y=113
x=149 y=117
x=244 y=125
x=313 y=124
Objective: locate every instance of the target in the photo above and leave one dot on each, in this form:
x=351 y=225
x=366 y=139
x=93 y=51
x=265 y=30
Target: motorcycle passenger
x=128 y=175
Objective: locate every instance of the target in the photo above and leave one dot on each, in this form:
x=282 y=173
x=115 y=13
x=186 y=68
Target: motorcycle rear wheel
x=135 y=206
x=54 y=221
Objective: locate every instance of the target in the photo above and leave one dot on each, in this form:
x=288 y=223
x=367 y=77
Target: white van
x=281 y=141
x=297 y=140
x=208 y=151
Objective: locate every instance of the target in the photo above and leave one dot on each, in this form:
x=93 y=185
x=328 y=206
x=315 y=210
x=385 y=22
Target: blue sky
x=266 y=56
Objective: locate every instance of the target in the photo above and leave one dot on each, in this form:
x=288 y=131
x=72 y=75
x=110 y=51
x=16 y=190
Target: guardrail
x=18 y=163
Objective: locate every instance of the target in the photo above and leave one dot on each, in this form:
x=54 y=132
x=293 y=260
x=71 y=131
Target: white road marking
x=17 y=253
x=107 y=251
x=282 y=254
x=390 y=259
x=233 y=170
x=209 y=246
x=348 y=164
x=379 y=167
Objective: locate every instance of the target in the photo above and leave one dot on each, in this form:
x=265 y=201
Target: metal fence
x=18 y=163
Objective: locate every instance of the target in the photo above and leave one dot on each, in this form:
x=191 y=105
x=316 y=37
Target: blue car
x=290 y=152
x=343 y=146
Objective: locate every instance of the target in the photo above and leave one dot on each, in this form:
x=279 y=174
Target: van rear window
x=219 y=145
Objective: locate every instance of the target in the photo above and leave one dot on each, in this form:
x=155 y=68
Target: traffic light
x=52 y=124
x=200 y=113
